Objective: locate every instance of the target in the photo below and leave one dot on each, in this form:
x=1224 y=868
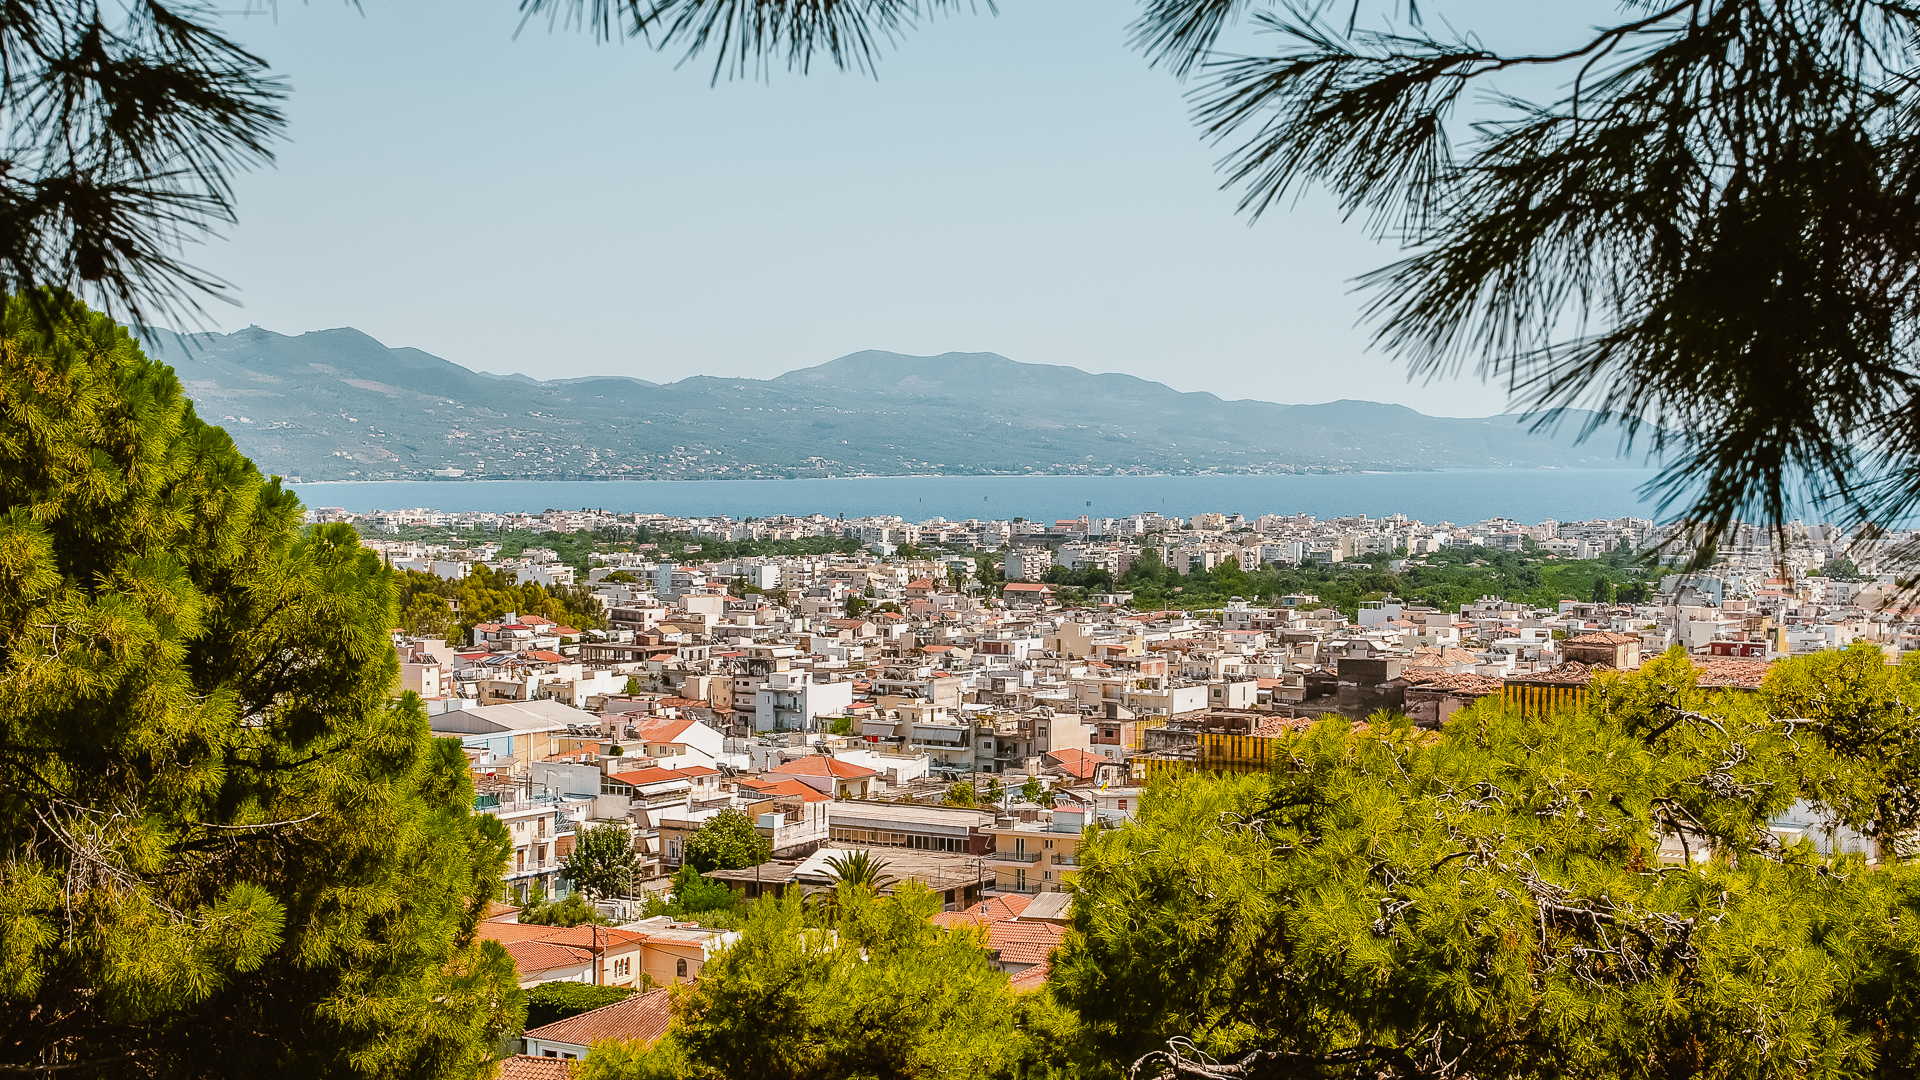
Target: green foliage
x=553 y=1001
x=959 y=793
x=861 y=868
x=602 y=861
x=570 y=910
x=1033 y=790
x=1491 y=896
x=666 y=1059
x=842 y=725
x=632 y=688
x=994 y=792
x=728 y=841
x=1859 y=724
x=694 y=898
x=1444 y=580
x=227 y=850
x=484 y=595
x=886 y=993
x=856 y=606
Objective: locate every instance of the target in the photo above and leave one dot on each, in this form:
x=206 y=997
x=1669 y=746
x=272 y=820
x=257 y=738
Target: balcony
x=1066 y=860
x=1018 y=857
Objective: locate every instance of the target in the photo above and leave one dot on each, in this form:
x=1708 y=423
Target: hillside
x=338 y=405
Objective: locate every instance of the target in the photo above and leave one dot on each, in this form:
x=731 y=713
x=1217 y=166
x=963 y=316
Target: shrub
x=553 y=1001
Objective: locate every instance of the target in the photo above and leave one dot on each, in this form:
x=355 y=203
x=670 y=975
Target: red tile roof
x=533 y=957
x=1573 y=672
x=1030 y=980
x=822 y=765
x=640 y=1018
x=524 y=1067
x=657 y=775
x=1604 y=637
x=545 y=657
x=1024 y=942
x=787 y=789
x=1459 y=682
x=1729 y=671
x=1078 y=763
x=991 y=910
x=663 y=728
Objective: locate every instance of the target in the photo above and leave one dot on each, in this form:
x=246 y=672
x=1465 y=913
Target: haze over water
x=1526 y=495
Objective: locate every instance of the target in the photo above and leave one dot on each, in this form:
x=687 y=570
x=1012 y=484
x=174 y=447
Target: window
x=623 y=967
x=550 y=1053
x=543 y=827
x=680 y=969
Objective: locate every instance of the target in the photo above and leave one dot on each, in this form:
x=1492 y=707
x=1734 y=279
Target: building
x=907 y=825
x=960 y=880
x=1039 y=854
x=642 y=1018
x=517 y=733
x=830 y=776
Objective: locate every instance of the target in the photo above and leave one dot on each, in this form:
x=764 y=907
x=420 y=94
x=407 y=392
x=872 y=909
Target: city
x=840 y=700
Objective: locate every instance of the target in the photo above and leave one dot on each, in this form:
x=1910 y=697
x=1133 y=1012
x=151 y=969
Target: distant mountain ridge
x=339 y=405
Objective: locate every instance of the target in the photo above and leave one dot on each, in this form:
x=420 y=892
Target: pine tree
x=1490 y=901
x=228 y=849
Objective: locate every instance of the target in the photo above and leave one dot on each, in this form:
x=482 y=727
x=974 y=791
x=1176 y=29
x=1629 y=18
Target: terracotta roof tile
x=786 y=789
x=991 y=910
x=534 y=957
x=1729 y=671
x=1024 y=942
x=1031 y=979
x=1570 y=673
x=641 y=1018
x=1458 y=682
x=523 y=1067
x=822 y=765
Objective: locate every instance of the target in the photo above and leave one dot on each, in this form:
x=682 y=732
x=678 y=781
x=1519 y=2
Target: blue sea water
x=1465 y=495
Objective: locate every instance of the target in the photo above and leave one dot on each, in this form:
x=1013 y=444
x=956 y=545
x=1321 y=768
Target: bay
x=1463 y=495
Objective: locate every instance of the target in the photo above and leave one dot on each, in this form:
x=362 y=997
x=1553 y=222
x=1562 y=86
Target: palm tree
x=860 y=868
x=851 y=871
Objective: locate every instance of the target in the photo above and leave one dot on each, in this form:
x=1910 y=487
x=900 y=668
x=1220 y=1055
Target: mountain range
x=338 y=405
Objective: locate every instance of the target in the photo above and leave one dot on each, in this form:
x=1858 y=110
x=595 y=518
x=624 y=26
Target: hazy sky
x=1020 y=184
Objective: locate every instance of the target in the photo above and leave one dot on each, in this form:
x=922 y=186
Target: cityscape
x=1219 y=541
x=938 y=693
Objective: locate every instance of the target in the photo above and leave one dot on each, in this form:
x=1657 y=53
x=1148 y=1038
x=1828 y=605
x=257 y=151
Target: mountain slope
x=336 y=404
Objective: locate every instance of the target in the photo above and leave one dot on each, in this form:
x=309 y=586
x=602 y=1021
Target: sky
x=1021 y=184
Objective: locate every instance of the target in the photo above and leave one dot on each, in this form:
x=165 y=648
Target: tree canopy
x=228 y=849
x=728 y=841
x=1490 y=901
x=880 y=992
x=602 y=861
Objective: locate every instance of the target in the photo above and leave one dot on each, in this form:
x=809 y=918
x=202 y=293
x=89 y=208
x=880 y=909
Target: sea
x=1460 y=495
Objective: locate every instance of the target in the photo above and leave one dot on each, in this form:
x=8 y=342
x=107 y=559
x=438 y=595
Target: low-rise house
x=830 y=776
x=642 y=1019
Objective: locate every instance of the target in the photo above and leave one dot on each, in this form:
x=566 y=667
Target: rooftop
x=640 y=1018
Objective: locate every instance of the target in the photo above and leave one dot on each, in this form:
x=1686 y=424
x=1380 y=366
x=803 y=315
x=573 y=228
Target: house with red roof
x=676 y=739
x=642 y=1018
x=830 y=775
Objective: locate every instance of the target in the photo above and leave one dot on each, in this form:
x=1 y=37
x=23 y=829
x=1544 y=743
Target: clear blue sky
x=1020 y=184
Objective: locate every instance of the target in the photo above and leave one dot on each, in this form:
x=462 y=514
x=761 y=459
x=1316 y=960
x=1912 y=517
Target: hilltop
x=339 y=405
